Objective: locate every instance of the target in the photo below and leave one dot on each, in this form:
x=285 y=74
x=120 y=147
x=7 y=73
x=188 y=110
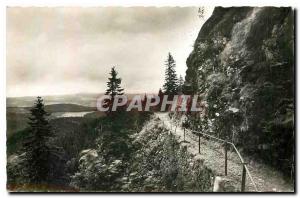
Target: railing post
x=243 y=178
x=199 y=143
x=225 y=151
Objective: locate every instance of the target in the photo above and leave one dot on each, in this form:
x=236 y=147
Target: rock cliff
x=243 y=66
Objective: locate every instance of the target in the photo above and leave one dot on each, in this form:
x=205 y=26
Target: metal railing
x=244 y=164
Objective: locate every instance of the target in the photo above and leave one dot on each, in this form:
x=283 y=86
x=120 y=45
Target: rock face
x=243 y=59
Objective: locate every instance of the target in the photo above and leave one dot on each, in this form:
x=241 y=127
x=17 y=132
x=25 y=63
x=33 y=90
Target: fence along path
x=229 y=163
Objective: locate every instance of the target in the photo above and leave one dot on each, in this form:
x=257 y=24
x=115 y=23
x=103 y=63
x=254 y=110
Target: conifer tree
x=161 y=96
x=113 y=87
x=114 y=142
x=171 y=81
x=180 y=84
x=144 y=101
x=37 y=150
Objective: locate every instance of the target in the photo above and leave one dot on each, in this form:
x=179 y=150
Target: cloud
x=71 y=49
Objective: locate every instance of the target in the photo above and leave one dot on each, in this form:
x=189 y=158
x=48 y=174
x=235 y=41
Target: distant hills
x=87 y=99
x=17 y=117
x=84 y=99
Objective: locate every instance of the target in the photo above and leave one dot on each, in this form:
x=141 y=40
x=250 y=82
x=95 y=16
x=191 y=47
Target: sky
x=65 y=50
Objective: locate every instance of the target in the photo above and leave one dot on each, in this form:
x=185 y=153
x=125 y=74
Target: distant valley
x=17 y=117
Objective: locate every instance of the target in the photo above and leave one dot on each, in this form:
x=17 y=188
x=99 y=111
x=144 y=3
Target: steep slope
x=243 y=65
x=266 y=178
x=159 y=163
x=162 y=164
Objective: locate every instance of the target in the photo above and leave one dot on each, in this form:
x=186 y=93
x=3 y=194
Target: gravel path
x=267 y=179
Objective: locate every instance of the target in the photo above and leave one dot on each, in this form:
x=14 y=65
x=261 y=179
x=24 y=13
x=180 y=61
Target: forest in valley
x=244 y=81
x=93 y=152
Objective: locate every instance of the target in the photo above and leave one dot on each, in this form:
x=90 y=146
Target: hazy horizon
x=69 y=50
x=80 y=93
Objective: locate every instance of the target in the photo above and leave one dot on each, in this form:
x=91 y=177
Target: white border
x=54 y=3
x=151 y=3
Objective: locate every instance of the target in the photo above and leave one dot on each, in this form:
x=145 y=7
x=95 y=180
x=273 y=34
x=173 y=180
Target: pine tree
x=114 y=87
x=171 y=82
x=38 y=152
x=180 y=85
x=144 y=101
x=161 y=96
x=114 y=142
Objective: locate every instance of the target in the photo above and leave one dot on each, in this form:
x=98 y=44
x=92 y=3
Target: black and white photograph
x=150 y=99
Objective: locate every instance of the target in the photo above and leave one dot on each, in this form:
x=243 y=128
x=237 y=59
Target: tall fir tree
x=113 y=87
x=144 y=101
x=114 y=141
x=36 y=147
x=180 y=84
x=171 y=81
x=161 y=96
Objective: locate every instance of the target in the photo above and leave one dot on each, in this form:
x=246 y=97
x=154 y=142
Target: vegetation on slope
x=245 y=76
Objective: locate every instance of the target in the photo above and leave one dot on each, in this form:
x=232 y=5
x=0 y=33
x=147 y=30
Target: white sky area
x=65 y=50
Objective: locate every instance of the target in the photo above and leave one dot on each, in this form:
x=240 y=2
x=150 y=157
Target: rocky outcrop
x=243 y=59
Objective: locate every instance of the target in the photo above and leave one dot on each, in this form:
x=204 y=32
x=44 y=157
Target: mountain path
x=267 y=179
